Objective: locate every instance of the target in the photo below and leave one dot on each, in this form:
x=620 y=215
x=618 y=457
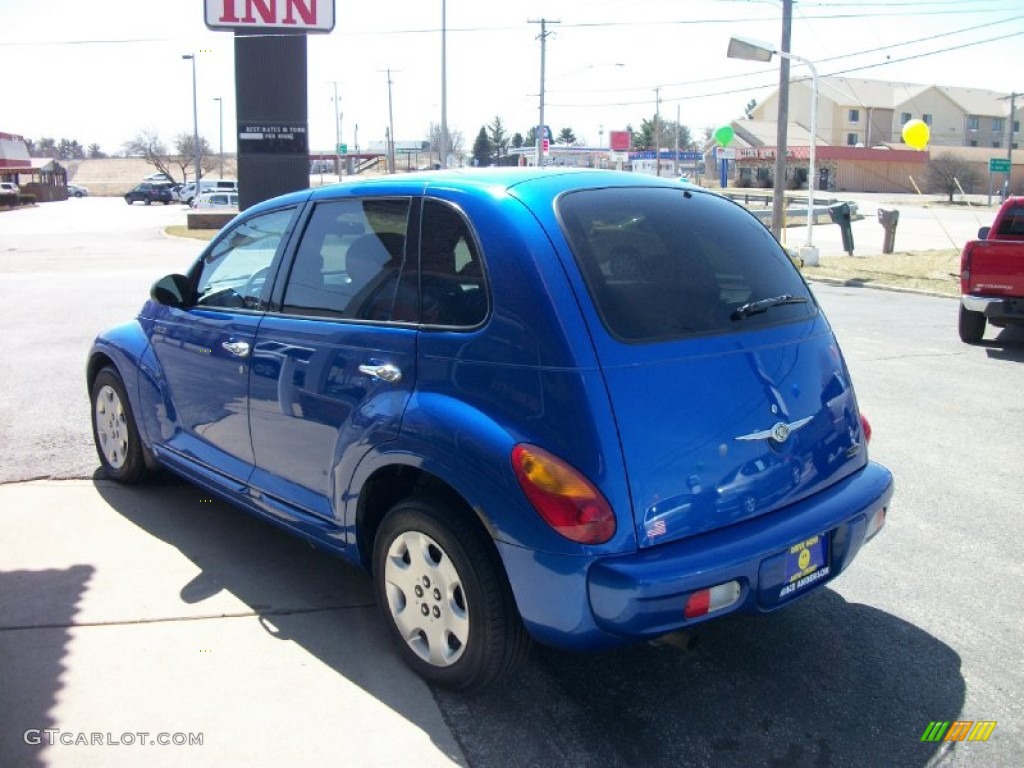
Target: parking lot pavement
x=125 y=616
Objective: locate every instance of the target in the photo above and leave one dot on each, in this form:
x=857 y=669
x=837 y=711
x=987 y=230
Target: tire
x=114 y=430
x=972 y=326
x=444 y=596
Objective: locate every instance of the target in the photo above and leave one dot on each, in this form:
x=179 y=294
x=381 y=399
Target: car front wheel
x=972 y=325
x=114 y=430
x=444 y=596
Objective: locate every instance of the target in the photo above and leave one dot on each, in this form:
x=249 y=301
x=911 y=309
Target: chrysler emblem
x=779 y=432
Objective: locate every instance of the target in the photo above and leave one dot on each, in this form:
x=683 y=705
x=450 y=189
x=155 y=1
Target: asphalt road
x=925 y=626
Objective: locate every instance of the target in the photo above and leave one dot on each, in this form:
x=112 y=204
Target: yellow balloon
x=916 y=133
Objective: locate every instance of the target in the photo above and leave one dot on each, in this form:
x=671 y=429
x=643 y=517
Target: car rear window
x=664 y=263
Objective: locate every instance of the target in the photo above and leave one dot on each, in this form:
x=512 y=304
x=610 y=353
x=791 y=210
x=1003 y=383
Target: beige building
x=854 y=112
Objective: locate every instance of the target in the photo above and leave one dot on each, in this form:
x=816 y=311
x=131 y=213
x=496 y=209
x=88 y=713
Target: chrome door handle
x=237 y=348
x=386 y=372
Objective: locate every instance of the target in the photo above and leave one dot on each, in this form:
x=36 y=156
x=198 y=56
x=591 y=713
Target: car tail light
x=866 y=426
x=965 y=268
x=566 y=500
x=875 y=523
x=713 y=599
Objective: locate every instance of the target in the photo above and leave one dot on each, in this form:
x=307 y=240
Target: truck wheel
x=972 y=326
x=444 y=596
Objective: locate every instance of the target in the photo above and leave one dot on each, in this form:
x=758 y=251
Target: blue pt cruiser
x=582 y=407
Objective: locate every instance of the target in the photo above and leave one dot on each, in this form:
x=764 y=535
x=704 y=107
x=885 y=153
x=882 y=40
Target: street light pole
x=195 y=119
x=443 y=148
x=220 y=104
x=337 y=134
x=755 y=50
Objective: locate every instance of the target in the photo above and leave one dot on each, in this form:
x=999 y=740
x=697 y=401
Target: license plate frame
x=806 y=563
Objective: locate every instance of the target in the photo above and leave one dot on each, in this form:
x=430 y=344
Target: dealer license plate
x=806 y=564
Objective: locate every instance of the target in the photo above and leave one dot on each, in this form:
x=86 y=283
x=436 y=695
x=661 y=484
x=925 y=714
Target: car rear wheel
x=114 y=430
x=444 y=596
x=972 y=326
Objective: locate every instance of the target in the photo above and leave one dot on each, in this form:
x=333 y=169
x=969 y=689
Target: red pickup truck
x=992 y=274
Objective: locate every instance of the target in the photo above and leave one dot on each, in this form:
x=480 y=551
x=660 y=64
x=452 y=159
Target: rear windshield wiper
x=757 y=307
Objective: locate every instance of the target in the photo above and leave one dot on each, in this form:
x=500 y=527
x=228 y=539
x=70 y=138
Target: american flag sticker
x=657 y=528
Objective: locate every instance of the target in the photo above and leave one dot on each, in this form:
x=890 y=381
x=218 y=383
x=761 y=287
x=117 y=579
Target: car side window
x=233 y=273
x=451 y=270
x=350 y=261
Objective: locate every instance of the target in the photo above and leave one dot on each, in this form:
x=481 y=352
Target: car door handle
x=237 y=348
x=386 y=372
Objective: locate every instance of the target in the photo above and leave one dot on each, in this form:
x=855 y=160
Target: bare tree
x=946 y=170
x=184 y=147
x=147 y=145
x=454 y=139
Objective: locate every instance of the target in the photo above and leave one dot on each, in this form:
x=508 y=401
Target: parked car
x=150 y=192
x=216 y=201
x=992 y=274
x=188 y=191
x=10 y=193
x=77 y=190
x=584 y=407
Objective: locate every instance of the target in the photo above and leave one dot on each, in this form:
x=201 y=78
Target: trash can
x=888 y=220
x=841 y=215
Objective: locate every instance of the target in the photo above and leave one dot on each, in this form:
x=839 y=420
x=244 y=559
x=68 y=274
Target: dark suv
x=149 y=192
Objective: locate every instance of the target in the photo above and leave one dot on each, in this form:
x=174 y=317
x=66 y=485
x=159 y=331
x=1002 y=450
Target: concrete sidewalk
x=130 y=611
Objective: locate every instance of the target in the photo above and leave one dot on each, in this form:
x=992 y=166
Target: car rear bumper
x=581 y=602
x=999 y=308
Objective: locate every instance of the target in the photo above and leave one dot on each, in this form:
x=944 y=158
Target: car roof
x=547 y=182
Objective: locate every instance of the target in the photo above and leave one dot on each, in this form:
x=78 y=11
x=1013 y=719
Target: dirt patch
x=932 y=271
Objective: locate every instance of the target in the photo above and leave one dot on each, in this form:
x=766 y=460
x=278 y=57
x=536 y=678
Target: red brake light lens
x=866 y=426
x=566 y=500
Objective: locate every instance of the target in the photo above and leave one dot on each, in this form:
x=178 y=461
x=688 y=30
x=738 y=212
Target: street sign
x=998 y=165
x=343 y=149
x=725 y=153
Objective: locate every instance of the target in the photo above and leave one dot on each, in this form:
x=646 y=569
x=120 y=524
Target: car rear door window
x=662 y=263
x=451 y=270
x=350 y=262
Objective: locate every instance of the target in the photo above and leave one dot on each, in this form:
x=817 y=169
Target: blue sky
x=102 y=70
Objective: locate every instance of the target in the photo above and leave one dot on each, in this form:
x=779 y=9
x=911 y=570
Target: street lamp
x=755 y=50
x=195 y=119
x=220 y=104
x=443 y=148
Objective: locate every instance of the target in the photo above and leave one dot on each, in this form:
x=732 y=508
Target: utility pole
x=1009 y=141
x=779 y=182
x=676 y=165
x=543 y=36
x=391 y=128
x=443 y=149
x=337 y=133
x=657 y=131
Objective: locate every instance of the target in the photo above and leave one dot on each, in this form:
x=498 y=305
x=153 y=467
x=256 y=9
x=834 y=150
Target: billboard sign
x=620 y=141
x=297 y=15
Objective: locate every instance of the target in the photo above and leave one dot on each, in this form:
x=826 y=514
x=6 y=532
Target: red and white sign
x=620 y=141
x=298 y=15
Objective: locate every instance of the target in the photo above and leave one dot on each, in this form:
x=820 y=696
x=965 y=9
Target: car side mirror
x=984 y=232
x=172 y=291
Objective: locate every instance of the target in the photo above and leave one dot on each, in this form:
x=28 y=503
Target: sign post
x=997 y=165
x=270 y=90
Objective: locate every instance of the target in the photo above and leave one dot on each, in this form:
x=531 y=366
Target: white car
x=77 y=190
x=216 y=201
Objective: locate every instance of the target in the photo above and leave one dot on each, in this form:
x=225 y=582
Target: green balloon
x=725 y=135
